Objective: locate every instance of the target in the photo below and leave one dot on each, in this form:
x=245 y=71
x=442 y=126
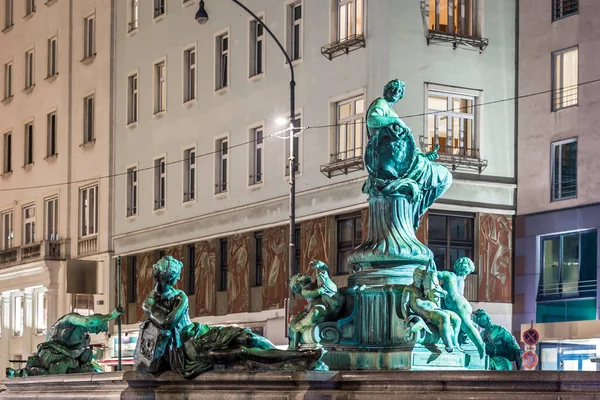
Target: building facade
x=557 y=248
x=55 y=186
x=201 y=176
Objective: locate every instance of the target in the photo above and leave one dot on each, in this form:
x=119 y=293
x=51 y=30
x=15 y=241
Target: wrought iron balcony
x=344 y=163
x=44 y=250
x=343 y=46
x=567 y=290
x=436 y=37
x=462 y=158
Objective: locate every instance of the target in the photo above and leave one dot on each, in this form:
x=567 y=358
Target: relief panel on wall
x=315 y=242
x=495 y=258
x=205 y=264
x=123 y=286
x=145 y=282
x=275 y=262
x=238 y=288
x=177 y=253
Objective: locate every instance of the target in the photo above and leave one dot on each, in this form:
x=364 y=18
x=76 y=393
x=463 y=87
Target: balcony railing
x=344 y=162
x=45 y=250
x=343 y=46
x=87 y=245
x=568 y=290
x=457 y=158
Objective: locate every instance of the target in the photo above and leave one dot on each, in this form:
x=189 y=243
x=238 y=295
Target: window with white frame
x=257 y=48
x=189 y=175
x=160 y=182
x=88 y=207
x=89 y=37
x=297 y=123
x=564 y=169
x=29 y=224
x=7 y=230
x=222 y=61
x=256 y=155
x=132 y=98
x=28 y=149
x=29 y=69
x=88 y=119
x=350 y=117
x=7 y=152
x=222 y=165
x=8 y=80
x=350 y=21
x=8 y=13
x=564 y=8
x=451 y=123
x=132 y=191
x=51 y=219
x=51 y=126
x=82 y=303
x=160 y=87
x=458 y=17
x=565 y=82
x=189 y=77
x=41 y=312
x=159 y=8
x=133 y=14
x=52 y=56
x=18 y=315
x=29 y=7
x=295 y=27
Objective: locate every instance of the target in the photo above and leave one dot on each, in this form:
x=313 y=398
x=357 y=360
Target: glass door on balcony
x=28 y=224
x=51 y=209
x=7 y=230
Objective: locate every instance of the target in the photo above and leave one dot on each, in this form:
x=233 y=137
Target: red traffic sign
x=530 y=359
x=531 y=337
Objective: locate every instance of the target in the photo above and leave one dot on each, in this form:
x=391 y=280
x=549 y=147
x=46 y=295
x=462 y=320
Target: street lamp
x=202 y=17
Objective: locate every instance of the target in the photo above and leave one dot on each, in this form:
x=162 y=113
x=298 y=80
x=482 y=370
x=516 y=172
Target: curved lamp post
x=202 y=18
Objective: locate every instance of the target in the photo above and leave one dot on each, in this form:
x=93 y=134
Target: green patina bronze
x=67 y=346
x=500 y=345
x=169 y=340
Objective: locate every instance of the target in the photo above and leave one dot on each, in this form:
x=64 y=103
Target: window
x=89 y=37
x=256 y=155
x=349 y=236
x=52 y=57
x=88 y=119
x=223 y=265
x=88 y=206
x=8 y=13
x=564 y=8
x=133 y=17
x=7 y=160
x=564 y=169
x=28 y=156
x=29 y=224
x=350 y=122
x=132 y=97
x=257 y=48
x=450 y=238
x=458 y=17
x=29 y=77
x=350 y=19
x=258 y=259
x=29 y=7
x=191 y=271
x=18 y=315
x=565 y=82
x=7 y=230
x=568 y=266
x=222 y=64
x=451 y=123
x=297 y=123
x=160 y=182
x=51 y=210
x=82 y=303
x=132 y=279
x=132 y=191
x=222 y=163
x=160 y=87
x=41 y=316
x=159 y=8
x=8 y=87
x=189 y=84
x=189 y=175
x=51 y=131
x=295 y=33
